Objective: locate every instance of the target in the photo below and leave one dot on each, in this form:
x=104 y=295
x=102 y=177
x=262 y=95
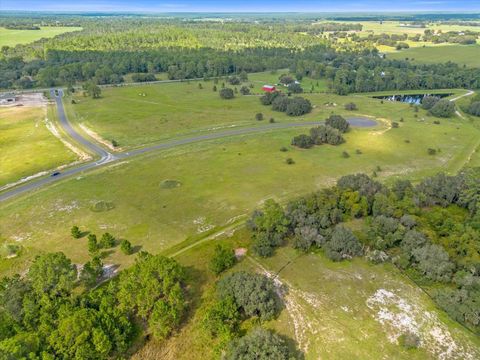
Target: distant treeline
x=22 y=27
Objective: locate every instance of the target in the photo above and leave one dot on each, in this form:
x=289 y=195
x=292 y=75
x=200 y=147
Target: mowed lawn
x=26 y=145
x=140 y=115
x=220 y=181
x=468 y=55
x=10 y=37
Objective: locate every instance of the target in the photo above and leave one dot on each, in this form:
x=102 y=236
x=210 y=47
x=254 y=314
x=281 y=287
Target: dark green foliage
x=233 y=80
x=302 y=141
x=153 y=289
x=93 y=245
x=395 y=125
x=298 y=106
x=283 y=149
x=342 y=244
x=474 y=108
x=440 y=189
x=254 y=294
x=345 y=155
x=259 y=344
x=280 y=103
x=245 y=90
x=433 y=262
x=223 y=259
x=269 y=227
x=286 y=79
x=326 y=135
x=429 y=102
x=361 y=183
x=268 y=98
x=139 y=77
x=126 y=247
x=351 y=106
x=93 y=90
x=92 y=271
x=227 y=93
x=338 y=122
x=290 y=161
x=107 y=241
x=443 y=108
x=52 y=274
x=306 y=237
x=76 y=233
x=259 y=116
x=295 y=88
x=222 y=319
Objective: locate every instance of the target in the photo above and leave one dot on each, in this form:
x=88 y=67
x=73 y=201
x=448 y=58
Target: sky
x=241 y=5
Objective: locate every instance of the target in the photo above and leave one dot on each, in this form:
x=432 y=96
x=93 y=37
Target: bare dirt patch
x=99 y=139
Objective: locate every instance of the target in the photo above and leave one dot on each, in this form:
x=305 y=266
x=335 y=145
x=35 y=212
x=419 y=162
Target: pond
x=361 y=122
x=410 y=98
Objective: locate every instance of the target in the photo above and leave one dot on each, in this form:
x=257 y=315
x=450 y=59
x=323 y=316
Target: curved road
x=106 y=157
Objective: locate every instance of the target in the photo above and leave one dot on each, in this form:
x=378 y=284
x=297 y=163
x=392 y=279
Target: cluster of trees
x=242 y=296
x=473 y=108
x=466 y=37
x=330 y=133
x=438 y=107
x=295 y=106
x=43 y=315
x=430 y=230
x=143 y=77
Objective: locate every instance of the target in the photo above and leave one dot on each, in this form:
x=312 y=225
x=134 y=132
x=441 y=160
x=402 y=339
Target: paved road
x=106 y=157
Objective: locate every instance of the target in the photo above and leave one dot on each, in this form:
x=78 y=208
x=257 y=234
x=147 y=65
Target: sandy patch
x=99 y=139
x=52 y=128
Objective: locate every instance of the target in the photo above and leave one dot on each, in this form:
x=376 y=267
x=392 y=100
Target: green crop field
x=10 y=37
x=326 y=320
x=219 y=181
x=26 y=145
x=394 y=27
x=468 y=55
x=139 y=115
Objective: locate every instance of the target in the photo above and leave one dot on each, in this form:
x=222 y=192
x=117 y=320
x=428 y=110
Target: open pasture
x=140 y=115
x=10 y=37
x=468 y=55
x=218 y=182
x=27 y=146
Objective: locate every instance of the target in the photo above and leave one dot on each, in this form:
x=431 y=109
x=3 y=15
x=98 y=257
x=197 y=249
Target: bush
x=431 y=151
x=306 y=237
x=326 y=135
x=474 y=108
x=223 y=259
x=143 y=77
x=271 y=121
x=76 y=233
x=295 y=88
x=233 y=80
x=107 y=241
x=268 y=98
x=429 y=102
x=345 y=155
x=303 y=141
x=126 y=247
x=280 y=103
x=351 y=106
x=245 y=90
x=338 y=122
x=395 y=125
x=342 y=244
x=254 y=294
x=298 y=106
x=290 y=161
x=283 y=149
x=259 y=116
x=443 y=108
x=227 y=93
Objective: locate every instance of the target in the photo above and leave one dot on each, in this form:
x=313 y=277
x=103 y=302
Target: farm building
x=6 y=99
x=268 y=88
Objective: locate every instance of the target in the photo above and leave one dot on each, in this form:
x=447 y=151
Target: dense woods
x=430 y=231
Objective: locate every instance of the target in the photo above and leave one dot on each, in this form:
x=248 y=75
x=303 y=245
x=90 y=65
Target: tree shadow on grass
x=136 y=249
x=84 y=234
x=106 y=253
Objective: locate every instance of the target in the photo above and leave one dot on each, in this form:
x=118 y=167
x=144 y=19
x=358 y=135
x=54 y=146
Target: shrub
x=298 y=106
x=351 y=106
x=233 y=80
x=474 y=108
x=295 y=88
x=259 y=116
x=280 y=103
x=338 y=122
x=227 y=93
x=345 y=154
x=431 y=151
x=245 y=90
x=290 y=161
x=342 y=244
x=126 y=247
x=326 y=135
x=268 y=98
x=443 y=108
x=306 y=237
x=223 y=259
x=302 y=141
x=395 y=125
x=107 y=241
x=429 y=102
x=283 y=149
x=76 y=233
x=272 y=120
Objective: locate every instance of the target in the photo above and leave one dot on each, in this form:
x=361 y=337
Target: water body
x=361 y=122
x=411 y=98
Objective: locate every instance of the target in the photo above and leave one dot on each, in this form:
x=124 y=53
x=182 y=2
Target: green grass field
x=26 y=145
x=468 y=55
x=175 y=109
x=14 y=37
x=394 y=27
x=221 y=180
x=327 y=321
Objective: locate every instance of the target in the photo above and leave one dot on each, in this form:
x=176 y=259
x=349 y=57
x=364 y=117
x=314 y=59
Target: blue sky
x=241 y=5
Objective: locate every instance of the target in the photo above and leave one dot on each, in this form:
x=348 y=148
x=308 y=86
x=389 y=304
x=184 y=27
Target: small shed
x=6 y=99
x=269 y=88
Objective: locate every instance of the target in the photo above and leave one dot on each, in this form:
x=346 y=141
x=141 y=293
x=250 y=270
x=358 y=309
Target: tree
x=254 y=294
x=153 y=289
x=306 y=237
x=303 y=141
x=298 y=106
x=107 y=241
x=443 y=108
x=227 y=93
x=92 y=271
x=76 y=233
x=295 y=88
x=429 y=102
x=326 y=135
x=343 y=244
x=126 y=247
x=338 y=122
x=286 y=79
x=222 y=319
x=233 y=80
x=93 y=245
x=53 y=274
x=433 y=262
x=259 y=344
x=245 y=90
x=243 y=76
x=351 y=106
x=474 y=108
x=93 y=90
x=223 y=259
x=268 y=98
x=280 y=103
